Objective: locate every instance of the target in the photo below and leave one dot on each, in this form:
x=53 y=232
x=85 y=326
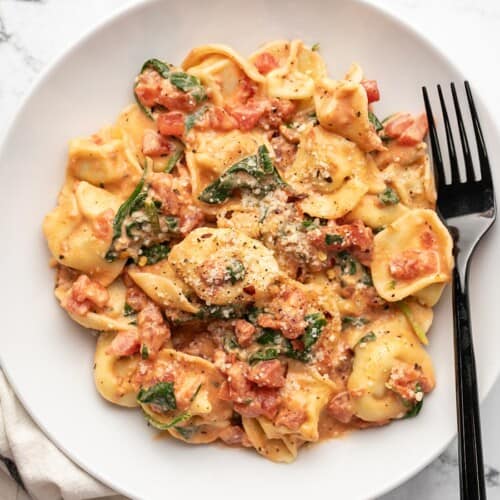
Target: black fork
x=468 y=209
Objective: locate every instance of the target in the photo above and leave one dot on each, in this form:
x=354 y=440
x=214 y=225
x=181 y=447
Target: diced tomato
x=171 y=123
x=413 y=263
x=372 y=91
x=136 y=298
x=397 y=124
x=428 y=239
x=246 y=89
x=148 y=88
x=244 y=332
x=125 y=343
x=221 y=120
x=153 y=330
x=154 y=144
x=102 y=226
x=175 y=99
x=268 y=374
x=415 y=133
x=265 y=62
x=84 y=295
x=292 y=419
x=247 y=115
x=405 y=379
x=341 y=408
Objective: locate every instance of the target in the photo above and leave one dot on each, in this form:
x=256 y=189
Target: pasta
x=258 y=252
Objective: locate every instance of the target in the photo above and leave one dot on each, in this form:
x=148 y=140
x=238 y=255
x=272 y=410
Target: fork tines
x=460 y=191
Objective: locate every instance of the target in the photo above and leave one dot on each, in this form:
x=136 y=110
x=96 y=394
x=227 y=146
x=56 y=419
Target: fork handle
x=470 y=453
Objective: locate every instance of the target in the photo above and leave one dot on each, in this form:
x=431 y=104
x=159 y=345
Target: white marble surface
x=34 y=32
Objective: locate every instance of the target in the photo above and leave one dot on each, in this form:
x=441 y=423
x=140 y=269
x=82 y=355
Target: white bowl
x=48 y=359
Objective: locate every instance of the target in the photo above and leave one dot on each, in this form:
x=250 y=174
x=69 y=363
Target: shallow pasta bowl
x=48 y=359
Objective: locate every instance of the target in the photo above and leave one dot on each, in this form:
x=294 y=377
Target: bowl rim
x=61 y=58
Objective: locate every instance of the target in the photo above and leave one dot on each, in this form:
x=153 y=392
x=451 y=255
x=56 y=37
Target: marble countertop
x=34 y=32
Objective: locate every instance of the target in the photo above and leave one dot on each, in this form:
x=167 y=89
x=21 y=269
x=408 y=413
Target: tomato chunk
x=415 y=133
x=171 y=123
x=372 y=91
x=413 y=263
x=265 y=62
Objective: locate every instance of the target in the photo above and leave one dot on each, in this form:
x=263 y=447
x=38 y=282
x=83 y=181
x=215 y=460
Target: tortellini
x=342 y=108
x=412 y=253
x=71 y=230
x=331 y=171
x=218 y=264
x=112 y=373
x=372 y=399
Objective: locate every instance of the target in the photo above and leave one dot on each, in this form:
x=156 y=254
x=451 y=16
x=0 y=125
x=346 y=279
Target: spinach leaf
x=161 y=67
x=189 y=84
x=269 y=336
x=388 y=197
x=144 y=351
x=366 y=279
x=252 y=314
x=309 y=224
x=152 y=215
x=348 y=264
x=303 y=356
x=255 y=173
x=128 y=310
x=193 y=118
x=315 y=324
x=263 y=355
x=415 y=409
x=132 y=203
x=236 y=271
x=315 y=47
x=164 y=426
x=355 y=321
x=228 y=311
x=187 y=432
x=155 y=253
x=369 y=337
x=173 y=160
x=334 y=239
x=375 y=121
x=161 y=395
x=172 y=223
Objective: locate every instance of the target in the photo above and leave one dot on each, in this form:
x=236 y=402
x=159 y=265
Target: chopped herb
x=347 y=263
x=269 y=336
x=355 y=321
x=309 y=224
x=334 y=239
x=416 y=326
x=315 y=324
x=366 y=279
x=144 y=351
x=315 y=47
x=255 y=173
x=230 y=343
x=303 y=356
x=252 y=314
x=388 y=197
x=189 y=84
x=263 y=355
x=128 y=310
x=155 y=253
x=193 y=118
x=369 y=337
x=228 y=311
x=375 y=121
x=172 y=223
x=378 y=229
x=236 y=271
x=392 y=284
x=161 y=395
